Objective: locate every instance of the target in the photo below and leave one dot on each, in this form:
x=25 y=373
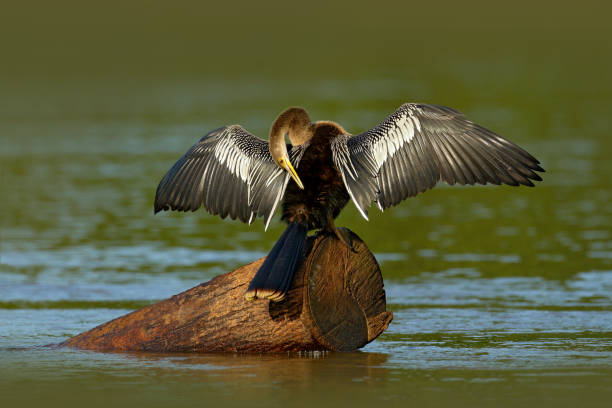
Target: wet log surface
x=337 y=302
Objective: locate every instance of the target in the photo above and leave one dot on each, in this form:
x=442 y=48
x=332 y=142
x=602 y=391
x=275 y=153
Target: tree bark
x=337 y=302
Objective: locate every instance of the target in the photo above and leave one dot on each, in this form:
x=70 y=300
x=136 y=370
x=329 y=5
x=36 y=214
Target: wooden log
x=337 y=302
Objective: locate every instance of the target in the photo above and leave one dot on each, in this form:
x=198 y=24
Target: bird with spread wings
x=231 y=172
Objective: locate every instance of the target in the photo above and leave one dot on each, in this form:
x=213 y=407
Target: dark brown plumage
x=324 y=194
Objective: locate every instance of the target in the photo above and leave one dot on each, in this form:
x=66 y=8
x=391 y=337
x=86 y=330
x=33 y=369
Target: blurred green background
x=502 y=296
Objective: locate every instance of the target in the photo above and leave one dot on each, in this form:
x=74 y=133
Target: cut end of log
x=337 y=302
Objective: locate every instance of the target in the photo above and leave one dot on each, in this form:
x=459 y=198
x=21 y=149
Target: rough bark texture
x=337 y=302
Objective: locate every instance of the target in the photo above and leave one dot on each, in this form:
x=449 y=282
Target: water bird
x=231 y=172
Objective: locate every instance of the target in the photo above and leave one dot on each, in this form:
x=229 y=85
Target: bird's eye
x=281 y=161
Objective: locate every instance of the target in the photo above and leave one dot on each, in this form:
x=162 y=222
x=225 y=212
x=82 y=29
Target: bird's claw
x=345 y=237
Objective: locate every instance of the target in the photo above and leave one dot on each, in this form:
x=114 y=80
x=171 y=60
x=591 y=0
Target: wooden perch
x=337 y=302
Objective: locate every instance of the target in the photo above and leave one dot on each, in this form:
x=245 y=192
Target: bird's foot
x=345 y=236
x=341 y=233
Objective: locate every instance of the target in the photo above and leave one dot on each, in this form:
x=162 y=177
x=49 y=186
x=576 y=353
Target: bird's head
x=281 y=157
x=295 y=123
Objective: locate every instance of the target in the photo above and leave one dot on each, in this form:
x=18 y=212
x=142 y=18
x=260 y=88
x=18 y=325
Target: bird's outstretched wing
x=418 y=145
x=229 y=172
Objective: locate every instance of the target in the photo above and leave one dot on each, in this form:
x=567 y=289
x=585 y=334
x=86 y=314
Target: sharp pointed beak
x=289 y=167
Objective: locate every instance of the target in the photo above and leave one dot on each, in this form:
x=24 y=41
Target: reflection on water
x=319 y=379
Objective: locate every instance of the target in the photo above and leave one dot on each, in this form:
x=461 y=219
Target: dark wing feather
x=231 y=173
x=418 y=145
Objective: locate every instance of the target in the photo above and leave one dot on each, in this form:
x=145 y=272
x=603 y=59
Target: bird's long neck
x=293 y=121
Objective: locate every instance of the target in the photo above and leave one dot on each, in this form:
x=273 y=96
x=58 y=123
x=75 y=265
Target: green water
x=501 y=296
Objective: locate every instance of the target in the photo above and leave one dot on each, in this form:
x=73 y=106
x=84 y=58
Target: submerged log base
x=337 y=302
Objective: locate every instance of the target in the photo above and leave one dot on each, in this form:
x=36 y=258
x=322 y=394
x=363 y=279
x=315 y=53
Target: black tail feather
x=275 y=276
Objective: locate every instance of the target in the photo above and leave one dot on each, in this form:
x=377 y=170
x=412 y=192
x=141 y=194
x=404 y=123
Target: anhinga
x=232 y=172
